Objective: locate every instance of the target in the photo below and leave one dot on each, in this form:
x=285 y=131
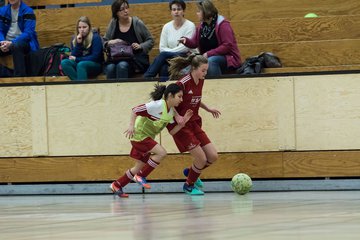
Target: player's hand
x=188 y=115
x=129 y=133
x=216 y=113
x=179 y=119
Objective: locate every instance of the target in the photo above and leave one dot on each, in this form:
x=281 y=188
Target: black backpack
x=255 y=64
x=47 y=61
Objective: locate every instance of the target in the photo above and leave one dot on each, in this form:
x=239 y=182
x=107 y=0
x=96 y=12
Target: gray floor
x=256 y=215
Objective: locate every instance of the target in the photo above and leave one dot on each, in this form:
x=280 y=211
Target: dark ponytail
x=162 y=90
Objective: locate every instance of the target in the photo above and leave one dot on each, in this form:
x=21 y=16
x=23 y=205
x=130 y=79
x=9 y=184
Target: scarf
x=207 y=30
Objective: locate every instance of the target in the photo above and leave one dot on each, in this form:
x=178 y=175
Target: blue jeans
x=120 y=70
x=18 y=51
x=160 y=66
x=217 y=65
x=82 y=70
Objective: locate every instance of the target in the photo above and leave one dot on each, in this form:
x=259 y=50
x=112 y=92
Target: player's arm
x=131 y=129
x=216 y=113
x=179 y=126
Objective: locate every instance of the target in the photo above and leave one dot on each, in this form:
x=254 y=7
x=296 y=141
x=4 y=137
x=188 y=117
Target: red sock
x=148 y=168
x=194 y=173
x=125 y=179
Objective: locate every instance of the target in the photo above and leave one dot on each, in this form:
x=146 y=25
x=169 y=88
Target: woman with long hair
x=87 y=56
x=192 y=138
x=215 y=40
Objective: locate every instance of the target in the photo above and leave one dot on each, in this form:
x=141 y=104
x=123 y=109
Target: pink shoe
x=118 y=190
x=142 y=181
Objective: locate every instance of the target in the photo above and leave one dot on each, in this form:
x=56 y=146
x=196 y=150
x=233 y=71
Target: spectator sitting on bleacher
x=169 y=46
x=132 y=30
x=17 y=34
x=215 y=39
x=87 y=56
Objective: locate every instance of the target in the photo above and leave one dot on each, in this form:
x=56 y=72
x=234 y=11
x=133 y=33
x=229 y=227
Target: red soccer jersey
x=192 y=96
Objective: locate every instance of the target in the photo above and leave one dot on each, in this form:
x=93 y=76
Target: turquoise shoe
x=198 y=183
x=192 y=190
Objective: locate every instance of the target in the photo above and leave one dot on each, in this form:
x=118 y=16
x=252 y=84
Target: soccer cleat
x=118 y=191
x=192 y=190
x=141 y=181
x=198 y=183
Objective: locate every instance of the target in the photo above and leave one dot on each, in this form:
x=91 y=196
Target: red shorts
x=141 y=150
x=191 y=136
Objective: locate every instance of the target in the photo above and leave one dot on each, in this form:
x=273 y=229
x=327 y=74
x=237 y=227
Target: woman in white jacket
x=169 y=46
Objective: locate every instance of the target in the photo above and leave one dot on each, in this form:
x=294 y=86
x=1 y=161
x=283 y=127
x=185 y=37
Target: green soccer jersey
x=151 y=118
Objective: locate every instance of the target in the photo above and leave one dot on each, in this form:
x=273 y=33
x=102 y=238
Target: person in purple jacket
x=87 y=56
x=215 y=40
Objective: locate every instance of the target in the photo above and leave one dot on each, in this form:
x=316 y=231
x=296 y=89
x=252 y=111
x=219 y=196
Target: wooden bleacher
x=326 y=43
x=35 y=3
x=267 y=138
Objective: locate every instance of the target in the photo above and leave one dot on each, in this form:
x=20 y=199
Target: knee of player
x=163 y=154
x=213 y=157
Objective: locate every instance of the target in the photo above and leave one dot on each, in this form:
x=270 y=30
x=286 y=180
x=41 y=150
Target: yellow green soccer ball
x=311 y=15
x=241 y=183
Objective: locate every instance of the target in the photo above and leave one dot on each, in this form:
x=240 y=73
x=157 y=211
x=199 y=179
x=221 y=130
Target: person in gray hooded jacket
x=132 y=30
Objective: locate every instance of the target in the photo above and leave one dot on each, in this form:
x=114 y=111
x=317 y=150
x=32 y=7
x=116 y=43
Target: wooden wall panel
x=263 y=165
x=285 y=113
x=57 y=2
x=315 y=69
x=322 y=164
x=90 y=119
x=108 y=168
x=265 y=9
x=258 y=114
x=327 y=112
x=22 y=79
x=251 y=111
x=39 y=121
x=304 y=54
x=15 y=122
x=296 y=29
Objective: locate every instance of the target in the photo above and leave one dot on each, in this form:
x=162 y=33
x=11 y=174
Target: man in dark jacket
x=17 y=34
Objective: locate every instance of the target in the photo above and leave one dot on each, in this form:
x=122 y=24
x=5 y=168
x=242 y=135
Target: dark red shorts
x=141 y=150
x=191 y=136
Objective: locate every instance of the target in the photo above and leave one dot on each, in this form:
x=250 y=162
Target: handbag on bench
x=119 y=51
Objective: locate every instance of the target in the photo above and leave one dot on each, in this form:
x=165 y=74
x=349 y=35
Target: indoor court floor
x=256 y=215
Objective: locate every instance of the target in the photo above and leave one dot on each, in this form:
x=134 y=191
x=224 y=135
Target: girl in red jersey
x=192 y=138
x=147 y=120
